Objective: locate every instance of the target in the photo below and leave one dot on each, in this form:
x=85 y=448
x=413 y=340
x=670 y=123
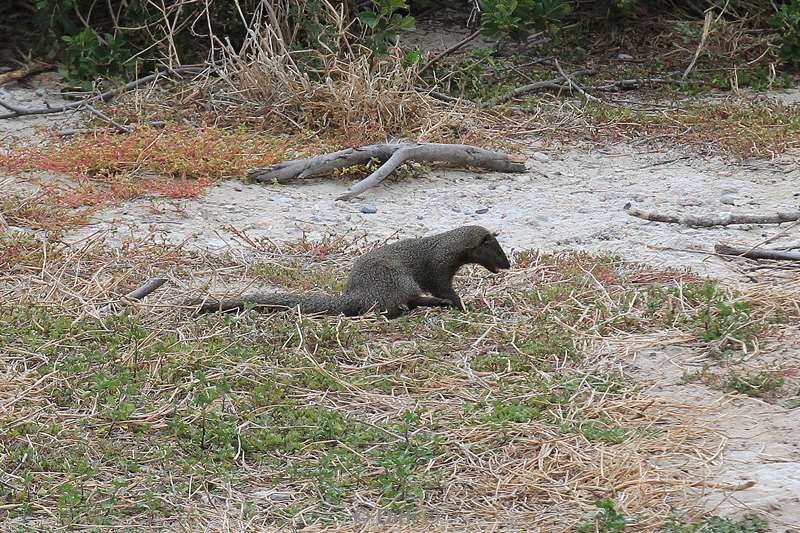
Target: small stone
x=482 y=210
x=369 y=209
x=728 y=199
x=39 y=92
x=541 y=157
x=420 y=217
x=503 y=188
x=237 y=189
x=637 y=198
x=688 y=202
x=492 y=187
x=625 y=57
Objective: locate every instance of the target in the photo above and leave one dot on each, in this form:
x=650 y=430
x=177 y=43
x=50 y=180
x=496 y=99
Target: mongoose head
x=486 y=251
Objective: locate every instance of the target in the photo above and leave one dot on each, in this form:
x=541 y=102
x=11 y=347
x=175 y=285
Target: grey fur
x=391 y=279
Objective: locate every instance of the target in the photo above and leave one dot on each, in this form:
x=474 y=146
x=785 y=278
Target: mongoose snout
x=392 y=279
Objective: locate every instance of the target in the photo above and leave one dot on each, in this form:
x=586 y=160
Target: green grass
x=129 y=419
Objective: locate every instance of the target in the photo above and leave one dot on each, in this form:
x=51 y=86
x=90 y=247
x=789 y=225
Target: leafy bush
x=384 y=21
x=516 y=18
x=787 y=22
x=87 y=58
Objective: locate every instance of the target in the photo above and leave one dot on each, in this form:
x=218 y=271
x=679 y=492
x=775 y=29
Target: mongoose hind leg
x=429 y=301
x=447 y=293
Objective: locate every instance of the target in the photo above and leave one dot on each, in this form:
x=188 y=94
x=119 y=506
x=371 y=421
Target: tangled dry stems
x=511 y=416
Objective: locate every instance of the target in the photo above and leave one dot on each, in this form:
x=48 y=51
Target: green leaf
x=369 y=18
x=408 y=23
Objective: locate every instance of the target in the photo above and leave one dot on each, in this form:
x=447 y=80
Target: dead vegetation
x=511 y=415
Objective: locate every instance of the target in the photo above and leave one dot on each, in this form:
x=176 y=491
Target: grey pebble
x=482 y=210
x=503 y=188
x=624 y=57
x=369 y=209
x=39 y=92
x=492 y=186
x=541 y=157
x=728 y=199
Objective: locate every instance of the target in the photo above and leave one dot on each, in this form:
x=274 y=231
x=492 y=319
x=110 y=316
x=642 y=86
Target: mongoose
x=391 y=279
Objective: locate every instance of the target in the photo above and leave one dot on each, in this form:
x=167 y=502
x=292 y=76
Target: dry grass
x=738 y=127
x=506 y=417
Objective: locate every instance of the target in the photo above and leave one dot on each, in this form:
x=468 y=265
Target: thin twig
x=577 y=87
x=106 y=118
x=450 y=50
x=706 y=31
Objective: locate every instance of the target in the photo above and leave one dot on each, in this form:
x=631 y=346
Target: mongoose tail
x=308 y=303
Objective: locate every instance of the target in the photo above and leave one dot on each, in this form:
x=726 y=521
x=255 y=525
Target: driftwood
x=392 y=156
x=138 y=293
x=724 y=219
x=18 y=111
x=775 y=255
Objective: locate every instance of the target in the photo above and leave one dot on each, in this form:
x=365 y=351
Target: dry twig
x=774 y=255
x=450 y=50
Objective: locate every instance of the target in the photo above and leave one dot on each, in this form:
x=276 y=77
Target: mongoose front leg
x=428 y=301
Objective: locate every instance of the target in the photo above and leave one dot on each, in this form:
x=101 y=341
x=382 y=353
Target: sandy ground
x=569 y=199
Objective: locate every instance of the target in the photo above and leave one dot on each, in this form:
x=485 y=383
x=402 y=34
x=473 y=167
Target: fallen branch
x=17 y=110
x=555 y=83
x=774 y=255
x=637 y=83
x=707 y=221
x=138 y=293
x=392 y=156
x=24 y=72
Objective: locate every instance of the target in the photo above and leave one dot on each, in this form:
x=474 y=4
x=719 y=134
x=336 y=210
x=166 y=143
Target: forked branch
x=392 y=156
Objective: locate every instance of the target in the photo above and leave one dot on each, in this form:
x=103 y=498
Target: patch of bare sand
x=761 y=438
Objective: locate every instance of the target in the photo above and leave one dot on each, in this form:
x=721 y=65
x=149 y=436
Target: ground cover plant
x=148 y=419
x=523 y=411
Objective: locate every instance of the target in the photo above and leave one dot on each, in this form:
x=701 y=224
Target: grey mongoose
x=391 y=279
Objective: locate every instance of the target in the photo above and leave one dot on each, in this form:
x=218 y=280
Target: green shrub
x=787 y=22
